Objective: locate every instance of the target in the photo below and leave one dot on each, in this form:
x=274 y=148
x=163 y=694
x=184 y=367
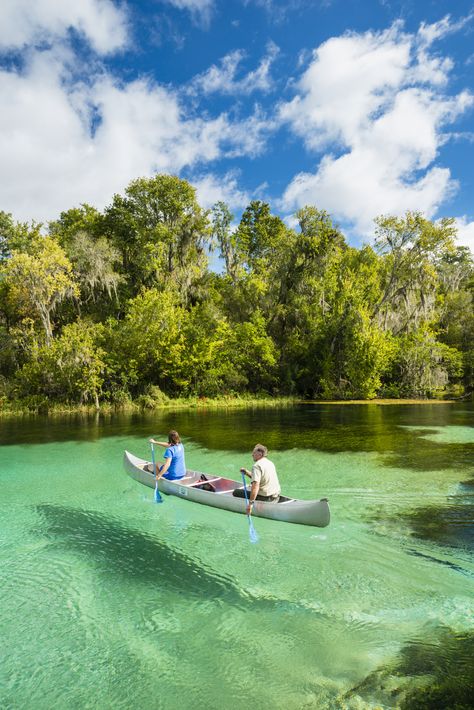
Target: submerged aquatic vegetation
x=451 y=525
x=448 y=664
x=433 y=674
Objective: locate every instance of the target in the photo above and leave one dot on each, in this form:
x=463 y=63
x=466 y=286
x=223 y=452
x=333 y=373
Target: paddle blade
x=252 y=532
x=158 y=498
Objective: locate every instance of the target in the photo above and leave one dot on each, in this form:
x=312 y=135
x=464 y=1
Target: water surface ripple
x=110 y=601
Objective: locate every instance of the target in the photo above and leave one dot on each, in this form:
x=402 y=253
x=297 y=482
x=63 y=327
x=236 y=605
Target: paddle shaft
x=158 y=498
x=252 y=532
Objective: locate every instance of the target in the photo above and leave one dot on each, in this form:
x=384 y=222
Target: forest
x=156 y=298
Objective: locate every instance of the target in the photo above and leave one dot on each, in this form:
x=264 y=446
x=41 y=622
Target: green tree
x=422 y=366
x=226 y=239
x=456 y=308
x=161 y=232
x=38 y=282
x=254 y=250
x=16 y=236
x=342 y=352
x=258 y=235
x=93 y=262
x=84 y=219
x=148 y=346
x=409 y=246
x=228 y=358
x=71 y=368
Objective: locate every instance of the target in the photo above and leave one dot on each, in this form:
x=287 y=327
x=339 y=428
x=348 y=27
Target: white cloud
x=201 y=10
x=465 y=233
x=278 y=10
x=349 y=80
x=212 y=188
x=427 y=34
x=222 y=78
x=375 y=100
x=63 y=142
x=23 y=23
x=218 y=78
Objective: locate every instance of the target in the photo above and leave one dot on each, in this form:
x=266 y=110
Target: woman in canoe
x=174 y=466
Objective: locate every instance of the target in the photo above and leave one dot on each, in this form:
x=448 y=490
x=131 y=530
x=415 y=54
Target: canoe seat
x=219 y=485
x=204 y=485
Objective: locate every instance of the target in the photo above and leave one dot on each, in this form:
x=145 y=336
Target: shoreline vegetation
x=12 y=409
x=156 y=302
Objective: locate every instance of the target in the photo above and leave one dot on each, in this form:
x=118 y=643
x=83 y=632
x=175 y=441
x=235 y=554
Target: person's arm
x=253 y=494
x=165 y=444
x=163 y=468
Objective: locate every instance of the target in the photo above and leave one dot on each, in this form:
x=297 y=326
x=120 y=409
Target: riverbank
x=9 y=409
x=147 y=403
x=381 y=401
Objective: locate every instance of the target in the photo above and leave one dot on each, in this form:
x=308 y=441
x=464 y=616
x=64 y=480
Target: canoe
x=217 y=491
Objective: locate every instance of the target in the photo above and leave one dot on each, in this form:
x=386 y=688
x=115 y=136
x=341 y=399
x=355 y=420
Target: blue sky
x=358 y=107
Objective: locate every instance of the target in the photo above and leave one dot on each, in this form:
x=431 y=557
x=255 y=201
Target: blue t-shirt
x=177 y=468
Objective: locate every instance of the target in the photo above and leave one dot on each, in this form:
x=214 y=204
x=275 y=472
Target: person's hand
x=243 y=470
x=152 y=441
x=249 y=509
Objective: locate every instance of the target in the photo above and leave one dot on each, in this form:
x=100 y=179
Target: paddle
x=158 y=498
x=252 y=532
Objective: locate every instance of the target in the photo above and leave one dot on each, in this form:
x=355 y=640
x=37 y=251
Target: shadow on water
x=135 y=554
x=425 y=675
x=139 y=556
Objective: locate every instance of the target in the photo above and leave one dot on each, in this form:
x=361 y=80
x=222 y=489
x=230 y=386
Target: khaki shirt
x=264 y=473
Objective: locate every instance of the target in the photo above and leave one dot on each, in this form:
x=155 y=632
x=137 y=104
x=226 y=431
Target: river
x=109 y=600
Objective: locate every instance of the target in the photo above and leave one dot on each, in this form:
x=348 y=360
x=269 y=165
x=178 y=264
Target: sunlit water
x=111 y=601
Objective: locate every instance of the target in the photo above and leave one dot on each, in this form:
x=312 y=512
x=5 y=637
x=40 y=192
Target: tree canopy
x=102 y=306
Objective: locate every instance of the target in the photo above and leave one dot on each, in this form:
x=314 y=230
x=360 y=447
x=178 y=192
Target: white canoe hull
x=290 y=510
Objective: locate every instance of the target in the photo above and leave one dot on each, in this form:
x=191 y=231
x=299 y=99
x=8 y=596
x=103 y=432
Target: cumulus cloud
x=465 y=233
x=375 y=103
x=212 y=188
x=63 y=141
x=223 y=79
x=100 y=22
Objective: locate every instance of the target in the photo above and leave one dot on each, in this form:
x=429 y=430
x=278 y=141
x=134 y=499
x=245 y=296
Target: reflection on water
x=419 y=437
x=109 y=601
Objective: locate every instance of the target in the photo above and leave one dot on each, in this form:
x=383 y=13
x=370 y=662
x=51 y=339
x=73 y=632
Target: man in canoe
x=174 y=466
x=265 y=484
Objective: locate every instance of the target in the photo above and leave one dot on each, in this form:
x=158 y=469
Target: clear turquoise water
x=111 y=601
